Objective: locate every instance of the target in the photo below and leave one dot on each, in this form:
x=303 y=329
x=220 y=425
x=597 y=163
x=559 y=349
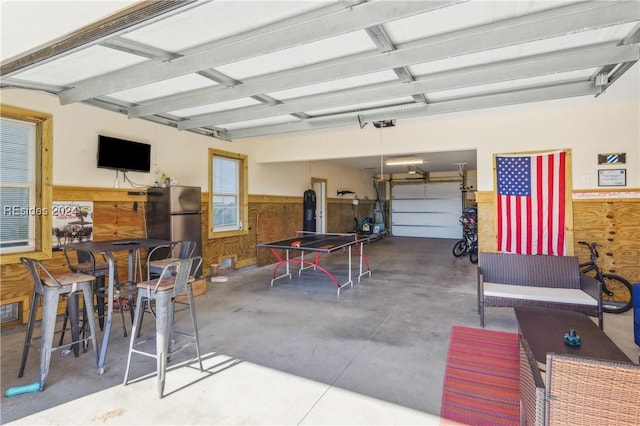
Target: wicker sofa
x=578 y=391
x=509 y=280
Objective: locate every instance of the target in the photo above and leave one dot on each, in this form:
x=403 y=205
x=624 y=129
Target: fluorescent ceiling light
x=404 y=161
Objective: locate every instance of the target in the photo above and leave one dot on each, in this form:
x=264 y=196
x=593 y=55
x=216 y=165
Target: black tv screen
x=120 y=154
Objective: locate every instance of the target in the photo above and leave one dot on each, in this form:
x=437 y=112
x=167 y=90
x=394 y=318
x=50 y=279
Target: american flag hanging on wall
x=531 y=203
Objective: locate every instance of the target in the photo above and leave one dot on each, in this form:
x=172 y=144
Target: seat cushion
x=167 y=283
x=545 y=294
x=161 y=263
x=68 y=279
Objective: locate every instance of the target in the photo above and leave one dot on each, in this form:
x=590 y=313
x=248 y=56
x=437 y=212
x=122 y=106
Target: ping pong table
x=319 y=244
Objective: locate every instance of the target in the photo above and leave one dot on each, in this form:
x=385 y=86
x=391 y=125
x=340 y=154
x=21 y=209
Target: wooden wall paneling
x=340 y=213
x=17 y=285
x=615 y=224
x=486 y=221
x=274 y=221
x=114 y=220
x=204 y=231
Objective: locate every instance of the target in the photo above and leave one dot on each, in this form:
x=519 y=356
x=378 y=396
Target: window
x=25 y=184
x=228 y=193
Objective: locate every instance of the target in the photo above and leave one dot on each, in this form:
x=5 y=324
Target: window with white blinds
x=18 y=213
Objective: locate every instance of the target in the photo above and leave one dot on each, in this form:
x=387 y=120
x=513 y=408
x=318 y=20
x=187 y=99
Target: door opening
x=320 y=187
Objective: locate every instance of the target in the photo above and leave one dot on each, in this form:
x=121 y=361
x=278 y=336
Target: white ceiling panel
x=331 y=86
x=221 y=106
x=216 y=20
x=300 y=56
x=547 y=45
x=238 y=69
x=162 y=88
x=32 y=24
x=91 y=62
x=462 y=16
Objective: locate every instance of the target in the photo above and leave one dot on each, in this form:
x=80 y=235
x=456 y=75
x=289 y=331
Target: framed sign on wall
x=612 y=177
x=72 y=222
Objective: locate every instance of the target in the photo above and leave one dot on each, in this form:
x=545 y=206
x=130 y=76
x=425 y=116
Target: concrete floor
x=293 y=354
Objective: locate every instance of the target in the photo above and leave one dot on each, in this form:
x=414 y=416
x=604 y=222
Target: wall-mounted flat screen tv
x=121 y=154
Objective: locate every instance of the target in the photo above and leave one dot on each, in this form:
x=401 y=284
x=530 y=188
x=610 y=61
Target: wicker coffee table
x=544 y=329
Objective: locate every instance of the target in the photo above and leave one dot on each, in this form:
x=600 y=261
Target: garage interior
x=294 y=353
x=328 y=94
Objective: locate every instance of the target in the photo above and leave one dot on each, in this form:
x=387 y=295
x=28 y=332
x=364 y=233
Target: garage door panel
x=447 y=205
x=426 y=210
x=443 y=189
x=425 y=219
x=427 y=231
x=409 y=191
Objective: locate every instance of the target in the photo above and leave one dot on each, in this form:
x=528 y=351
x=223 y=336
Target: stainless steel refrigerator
x=174 y=213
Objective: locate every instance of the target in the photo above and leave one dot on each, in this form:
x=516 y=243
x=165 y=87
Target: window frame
x=43 y=182
x=243 y=194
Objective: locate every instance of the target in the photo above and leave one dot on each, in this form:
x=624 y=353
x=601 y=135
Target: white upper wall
x=280 y=165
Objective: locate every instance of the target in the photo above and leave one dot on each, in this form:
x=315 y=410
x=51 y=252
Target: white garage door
x=426 y=210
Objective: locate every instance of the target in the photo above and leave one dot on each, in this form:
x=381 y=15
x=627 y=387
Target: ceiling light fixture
x=384 y=123
x=404 y=161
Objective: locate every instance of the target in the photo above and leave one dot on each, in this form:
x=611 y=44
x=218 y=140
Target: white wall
x=281 y=165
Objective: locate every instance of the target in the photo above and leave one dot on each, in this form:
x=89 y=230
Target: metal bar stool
x=183 y=249
x=175 y=280
x=161 y=256
x=50 y=288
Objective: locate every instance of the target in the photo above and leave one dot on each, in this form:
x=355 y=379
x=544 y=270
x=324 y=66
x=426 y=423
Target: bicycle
x=616 y=291
x=468 y=245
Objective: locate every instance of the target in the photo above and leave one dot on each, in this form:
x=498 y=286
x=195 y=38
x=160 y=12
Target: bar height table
x=107 y=248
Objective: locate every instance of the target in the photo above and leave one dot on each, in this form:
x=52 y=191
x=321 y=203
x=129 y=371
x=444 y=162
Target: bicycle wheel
x=460 y=248
x=473 y=255
x=616 y=294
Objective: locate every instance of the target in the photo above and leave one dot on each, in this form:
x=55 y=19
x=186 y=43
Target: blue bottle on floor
x=636 y=312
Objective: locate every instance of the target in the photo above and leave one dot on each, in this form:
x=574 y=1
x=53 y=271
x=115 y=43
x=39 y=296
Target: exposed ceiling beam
x=557 y=62
x=556 y=22
x=135 y=48
x=21 y=84
x=382 y=40
x=631 y=38
x=379 y=36
x=348 y=20
x=486 y=101
x=120 y=107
